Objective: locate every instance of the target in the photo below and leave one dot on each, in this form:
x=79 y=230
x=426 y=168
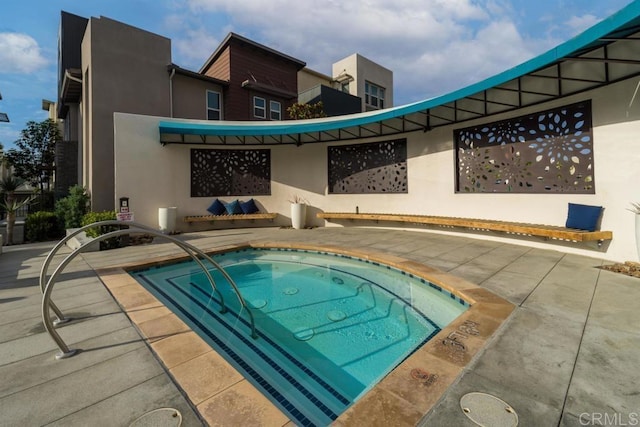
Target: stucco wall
x=121 y=60
x=154 y=176
x=363 y=69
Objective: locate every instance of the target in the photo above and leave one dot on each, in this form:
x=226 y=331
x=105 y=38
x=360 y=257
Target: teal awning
x=604 y=54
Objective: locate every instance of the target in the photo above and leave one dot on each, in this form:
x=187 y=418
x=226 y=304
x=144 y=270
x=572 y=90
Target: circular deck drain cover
x=257 y=303
x=303 y=334
x=290 y=291
x=336 y=315
x=487 y=410
x=159 y=418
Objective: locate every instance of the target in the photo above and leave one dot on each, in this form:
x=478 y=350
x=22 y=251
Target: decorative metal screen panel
x=545 y=152
x=379 y=167
x=230 y=173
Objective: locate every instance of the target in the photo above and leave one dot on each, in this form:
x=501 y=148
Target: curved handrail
x=183 y=245
x=46 y=298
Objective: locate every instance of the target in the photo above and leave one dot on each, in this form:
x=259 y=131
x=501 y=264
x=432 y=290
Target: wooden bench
x=235 y=217
x=548 y=231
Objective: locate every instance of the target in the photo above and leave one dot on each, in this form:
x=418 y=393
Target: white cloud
x=432 y=46
x=195 y=47
x=580 y=23
x=19 y=53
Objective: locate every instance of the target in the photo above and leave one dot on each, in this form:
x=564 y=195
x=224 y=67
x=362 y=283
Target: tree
x=8 y=186
x=33 y=160
x=306 y=111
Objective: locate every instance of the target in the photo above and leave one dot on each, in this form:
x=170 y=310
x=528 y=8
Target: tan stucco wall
x=154 y=176
x=308 y=78
x=190 y=97
x=363 y=69
x=121 y=60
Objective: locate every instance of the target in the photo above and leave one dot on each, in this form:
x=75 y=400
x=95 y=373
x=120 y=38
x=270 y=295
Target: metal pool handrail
x=183 y=245
x=65 y=352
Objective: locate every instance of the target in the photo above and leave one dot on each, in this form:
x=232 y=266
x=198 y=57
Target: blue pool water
x=329 y=326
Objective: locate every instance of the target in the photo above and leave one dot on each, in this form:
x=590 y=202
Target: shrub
x=42 y=202
x=41 y=226
x=112 y=243
x=72 y=208
x=91 y=217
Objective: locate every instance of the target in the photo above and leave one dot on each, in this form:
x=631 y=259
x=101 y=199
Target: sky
x=432 y=46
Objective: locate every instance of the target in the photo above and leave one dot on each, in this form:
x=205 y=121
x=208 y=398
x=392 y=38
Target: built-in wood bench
x=235 y=217
x=548 y=231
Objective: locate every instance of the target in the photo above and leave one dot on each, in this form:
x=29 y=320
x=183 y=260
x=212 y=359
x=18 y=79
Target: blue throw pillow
x=233 y=208
x=249 y=207
x=217 y=208
x=583 y=217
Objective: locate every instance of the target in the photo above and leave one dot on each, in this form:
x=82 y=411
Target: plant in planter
x=112 y=243
x=298 y=211
x=636 y=210
x=8 y=186
x=11 y=207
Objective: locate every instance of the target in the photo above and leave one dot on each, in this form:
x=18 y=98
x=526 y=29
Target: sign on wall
x=546 y=152
x=379 y=167
x=230 y=172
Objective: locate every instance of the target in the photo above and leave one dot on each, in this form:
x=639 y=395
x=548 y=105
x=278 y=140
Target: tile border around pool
x=403 y=397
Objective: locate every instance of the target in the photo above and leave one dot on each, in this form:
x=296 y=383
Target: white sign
x=125 y=216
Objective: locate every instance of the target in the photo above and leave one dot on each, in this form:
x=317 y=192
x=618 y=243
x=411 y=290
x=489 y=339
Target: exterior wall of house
x=190 y=97
x=308 y=79
x=221 y=68
x=72 y=29
x=154 y=176
x=118 y=60
x=240 y=62
x=363 y=69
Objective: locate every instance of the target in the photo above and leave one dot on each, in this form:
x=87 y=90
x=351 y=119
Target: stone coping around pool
x=222 y=395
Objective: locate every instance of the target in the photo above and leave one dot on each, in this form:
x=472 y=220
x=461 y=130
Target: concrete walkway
x=568 y=355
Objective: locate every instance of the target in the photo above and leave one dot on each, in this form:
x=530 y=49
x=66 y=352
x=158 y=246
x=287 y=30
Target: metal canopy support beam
x=528 y=92
x=486 y=101
x=569 y=79
x=418 y=124
x=606 y=60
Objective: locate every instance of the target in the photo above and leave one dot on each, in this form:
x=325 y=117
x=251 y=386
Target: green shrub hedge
x=71 y=209
x=41 y=226
x=112 y=243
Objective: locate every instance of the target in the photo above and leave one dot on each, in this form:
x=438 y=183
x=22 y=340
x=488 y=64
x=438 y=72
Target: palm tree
x=8 y=185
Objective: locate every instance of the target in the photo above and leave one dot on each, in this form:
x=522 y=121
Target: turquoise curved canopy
x=602 y=55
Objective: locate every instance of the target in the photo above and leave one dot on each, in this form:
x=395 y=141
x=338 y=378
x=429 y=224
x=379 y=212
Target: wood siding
x=240 y=62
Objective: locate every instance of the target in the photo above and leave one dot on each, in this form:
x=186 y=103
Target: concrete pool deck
x=567 y=355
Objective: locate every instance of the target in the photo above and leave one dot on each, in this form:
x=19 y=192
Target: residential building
x=358 y=84
x=316 y=87
x=105 y=67
x=262 y=81
x=362 y=77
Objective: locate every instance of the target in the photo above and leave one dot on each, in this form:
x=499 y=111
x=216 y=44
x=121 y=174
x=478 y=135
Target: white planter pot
x=638 y=234
x=167 y=219
x=298 y=215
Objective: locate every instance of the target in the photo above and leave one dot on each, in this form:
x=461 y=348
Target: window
x=213 y=105
x=259 y=108
x=275 y=110
x=373 y=95
x=345 y=87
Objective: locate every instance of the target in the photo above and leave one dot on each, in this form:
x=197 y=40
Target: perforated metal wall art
x=379 y=167
x=230 y=172
x=545 y=152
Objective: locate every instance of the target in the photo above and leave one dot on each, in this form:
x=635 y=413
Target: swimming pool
x=330 y=326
